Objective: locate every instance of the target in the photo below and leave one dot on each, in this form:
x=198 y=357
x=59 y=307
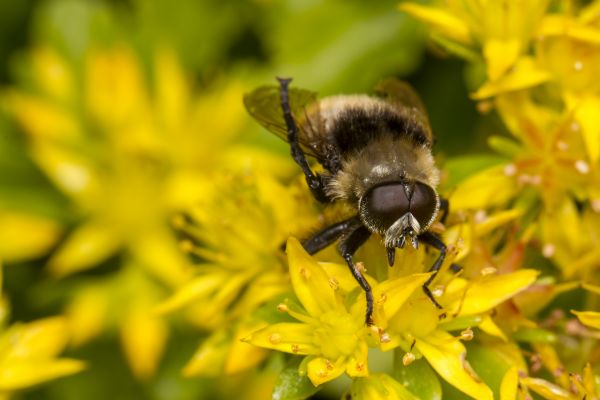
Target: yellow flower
x=236 y=235
x=500 y=31
x=28 y=352
x=128 y=150
x=122 y=302
x=331 y=333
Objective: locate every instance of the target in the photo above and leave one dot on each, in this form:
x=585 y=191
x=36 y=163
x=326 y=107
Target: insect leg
x=444 y=210
x=315 y=183
x=347 y=248
x=434 y=241
x=329 y=235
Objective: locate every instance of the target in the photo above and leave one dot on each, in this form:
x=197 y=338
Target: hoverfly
x=376 y=153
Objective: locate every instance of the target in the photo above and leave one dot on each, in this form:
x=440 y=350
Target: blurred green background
x=327 y=46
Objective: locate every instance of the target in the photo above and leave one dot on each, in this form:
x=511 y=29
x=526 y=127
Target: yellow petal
x=548 y=390
x=491 y=290
x=443 y=22
x=243 y=355
x=311 y=283
x=489 y=326
x=525 y=74
x=447 y=356
x=591 y=288
x=489 y=188
x=500 y=55
x=53 y=73
x=26 y=236
x=25 y=373
x=199 y=287
x=589 y=318
x=357 y=365
x=209 y=358
x=158 y=248
x=495 y=221
x=143 y=337
x=172 y=90
x=586 y=114
x=72 y=173
x=295 y=338
x=85 y=248
x=391 y=295
x=321 y=370
x=40 y=118
x=43 y=338
x=87 y=315
x=510 y=382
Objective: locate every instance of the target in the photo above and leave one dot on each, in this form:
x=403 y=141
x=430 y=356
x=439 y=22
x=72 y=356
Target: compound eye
x=382 y=205
x=423 y=203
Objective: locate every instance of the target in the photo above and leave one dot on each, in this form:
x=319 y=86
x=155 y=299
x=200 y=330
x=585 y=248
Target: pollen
x=385 y=337
x=467 y=334
x=322 y=373
x=548 y=250
x=488 y=271
x=582 y=167
x=438 y=291
x=361 y=267
x=595 y=203
x=360 y=366
x=333 y=283
x=295 y=348
x=328 y=365
x=510 y=170
x=382 y=299
x=275 y=338
x=408 y=359
x=281 y=307
x=304 y=273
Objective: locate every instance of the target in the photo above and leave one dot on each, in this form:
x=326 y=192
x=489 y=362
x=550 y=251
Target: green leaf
x=418 y=377
x=488 y=365
x=291 y=385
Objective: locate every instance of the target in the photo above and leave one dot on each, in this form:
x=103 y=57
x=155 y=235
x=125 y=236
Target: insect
x=376 y=153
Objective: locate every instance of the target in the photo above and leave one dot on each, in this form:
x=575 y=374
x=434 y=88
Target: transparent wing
x=407 y=100
x=264 y=105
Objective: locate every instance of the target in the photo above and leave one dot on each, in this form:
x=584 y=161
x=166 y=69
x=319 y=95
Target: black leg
x=432 y=240
x=315 y=181
x=347 y=248
x=444 y=210
x=329 y=235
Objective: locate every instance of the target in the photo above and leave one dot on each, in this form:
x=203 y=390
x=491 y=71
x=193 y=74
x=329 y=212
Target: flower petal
x=510 y=382
x=311 y=283
x=548 y=390
x=447 y=356
x=589 y=318
x=87 y=246
x=143 y=337
x=290 y=337
x=440 y=20
x=24 y=373
x=321 y=370
x=489 y=291
x=391 y=295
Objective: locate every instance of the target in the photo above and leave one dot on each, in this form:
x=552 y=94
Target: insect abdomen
x=356 y=127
